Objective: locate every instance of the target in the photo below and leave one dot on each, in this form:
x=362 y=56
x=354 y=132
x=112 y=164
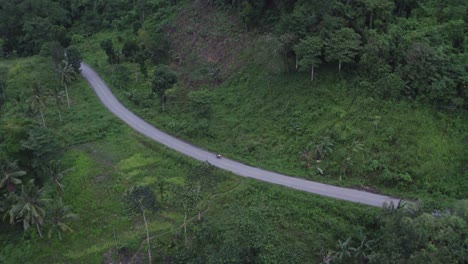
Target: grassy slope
x=270 y=119
x=266 y=120
x=107 y=158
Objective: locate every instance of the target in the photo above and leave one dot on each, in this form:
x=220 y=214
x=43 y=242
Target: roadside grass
x=270 y=120
x=298 y=219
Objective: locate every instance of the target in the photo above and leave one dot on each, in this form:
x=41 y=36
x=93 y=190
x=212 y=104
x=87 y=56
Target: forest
x=364 y=94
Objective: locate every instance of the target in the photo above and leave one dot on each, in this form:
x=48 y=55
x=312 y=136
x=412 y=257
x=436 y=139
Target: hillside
x=364 y=94
x=277 y=120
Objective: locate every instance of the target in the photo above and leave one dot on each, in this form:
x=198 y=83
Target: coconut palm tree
x=10 y=176
x=67 y=73
x=344 y=250
x=36 y=102
x=322 y=147
x=365 y=247
x=58 y=97
x=54 y=170
x=29 y=208
x=57 y=215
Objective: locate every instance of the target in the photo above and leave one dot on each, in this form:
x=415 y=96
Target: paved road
x=109 y=100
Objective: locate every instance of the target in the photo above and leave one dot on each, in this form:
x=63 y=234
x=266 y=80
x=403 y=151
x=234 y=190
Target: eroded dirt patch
x=207 y=45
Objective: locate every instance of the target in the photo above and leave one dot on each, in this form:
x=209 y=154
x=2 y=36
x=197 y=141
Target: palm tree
x=322 y=147
x=67 y=74
x=58 y=214
x=29 y=208
x=54 y=170
x=347 y=162
x=365 y=246
x=147 y=231
x=58 y=97
x=356 y=146
x=10 y=176
x=344 y=251
x=36 y=101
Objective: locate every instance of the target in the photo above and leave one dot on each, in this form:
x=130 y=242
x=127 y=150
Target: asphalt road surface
x=109 y=100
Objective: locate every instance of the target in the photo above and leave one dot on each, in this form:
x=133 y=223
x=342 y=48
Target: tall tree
x=130 y=50
x=108 y=47
x=141 y=199
x=55 y=172
x=30 y=207
x=58 y=96
x=67 y=73
x=73 y=57
x=376 y=51
x=202 y=176
x=186 y=198
x=378 y=9
x=423 y=67
x=57 y=216
x=342 y=46
x=147 y=233
x=36 y=101
x=164 y=78
x=308 y=53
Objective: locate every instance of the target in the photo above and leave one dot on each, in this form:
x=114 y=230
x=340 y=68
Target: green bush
x=140 y=198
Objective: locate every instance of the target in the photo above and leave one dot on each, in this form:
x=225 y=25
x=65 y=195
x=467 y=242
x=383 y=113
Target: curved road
x=109 y=100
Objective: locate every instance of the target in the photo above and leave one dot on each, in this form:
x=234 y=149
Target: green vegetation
x=107 y=160
x=381 y=106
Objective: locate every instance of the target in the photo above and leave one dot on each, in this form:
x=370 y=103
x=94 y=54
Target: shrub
x=140 y=198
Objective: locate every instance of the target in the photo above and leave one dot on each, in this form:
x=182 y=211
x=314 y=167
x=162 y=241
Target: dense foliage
x=403 y=49
x=31 y=186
